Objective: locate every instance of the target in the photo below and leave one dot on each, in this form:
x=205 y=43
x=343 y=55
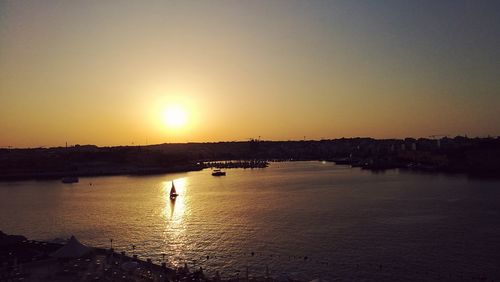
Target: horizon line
x=430 y=137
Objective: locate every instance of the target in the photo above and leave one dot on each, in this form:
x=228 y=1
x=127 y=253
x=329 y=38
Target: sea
x=291 y=220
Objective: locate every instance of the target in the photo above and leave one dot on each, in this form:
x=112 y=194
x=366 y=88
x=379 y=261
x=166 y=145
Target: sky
x=107 y=72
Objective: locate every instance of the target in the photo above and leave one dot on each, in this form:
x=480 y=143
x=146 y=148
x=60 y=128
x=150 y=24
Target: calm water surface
x=308 y=219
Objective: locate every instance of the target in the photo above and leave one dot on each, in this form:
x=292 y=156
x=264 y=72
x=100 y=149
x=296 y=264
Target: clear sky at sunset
x=123 y=72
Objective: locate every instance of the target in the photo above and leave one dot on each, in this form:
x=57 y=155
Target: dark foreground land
x=27 y=260
x=474 y=156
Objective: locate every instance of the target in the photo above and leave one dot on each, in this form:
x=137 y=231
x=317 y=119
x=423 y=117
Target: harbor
x=252 y=141
x=294 y=220
x=236 y=164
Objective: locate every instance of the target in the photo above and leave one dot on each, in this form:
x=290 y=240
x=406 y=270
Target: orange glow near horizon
x=109 y=74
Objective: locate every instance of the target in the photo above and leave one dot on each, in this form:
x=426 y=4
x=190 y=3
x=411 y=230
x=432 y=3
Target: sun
x=175 y=116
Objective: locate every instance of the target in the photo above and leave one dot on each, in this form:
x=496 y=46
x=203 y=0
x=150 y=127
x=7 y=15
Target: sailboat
x=173 y=193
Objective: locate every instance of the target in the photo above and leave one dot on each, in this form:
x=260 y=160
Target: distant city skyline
x=117 y=73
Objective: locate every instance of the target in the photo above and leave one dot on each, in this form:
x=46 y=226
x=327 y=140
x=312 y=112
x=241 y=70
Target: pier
x=237 y=164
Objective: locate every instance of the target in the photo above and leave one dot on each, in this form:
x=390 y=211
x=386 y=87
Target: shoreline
x=28 y=260
x=58 y=175
x=375 y=168
x=472 y=156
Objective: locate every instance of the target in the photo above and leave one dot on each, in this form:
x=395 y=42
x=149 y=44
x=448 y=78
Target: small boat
x=173 y=192
x=218 y=172
x=70 y=179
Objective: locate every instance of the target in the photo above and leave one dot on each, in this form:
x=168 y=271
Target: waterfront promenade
x=29 y=260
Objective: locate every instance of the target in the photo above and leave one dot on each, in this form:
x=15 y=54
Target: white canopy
x=73 y=249
x=319 y=280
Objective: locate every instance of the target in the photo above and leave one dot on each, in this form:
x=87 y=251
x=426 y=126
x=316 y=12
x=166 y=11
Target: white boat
x=173 y=192
x=218 y=172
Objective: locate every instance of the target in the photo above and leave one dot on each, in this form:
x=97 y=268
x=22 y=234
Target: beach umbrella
x=73 y=249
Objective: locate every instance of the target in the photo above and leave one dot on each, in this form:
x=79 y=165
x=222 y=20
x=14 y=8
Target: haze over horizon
x=117 y=73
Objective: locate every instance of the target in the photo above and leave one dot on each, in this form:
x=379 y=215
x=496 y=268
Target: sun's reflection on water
x=175 y=212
